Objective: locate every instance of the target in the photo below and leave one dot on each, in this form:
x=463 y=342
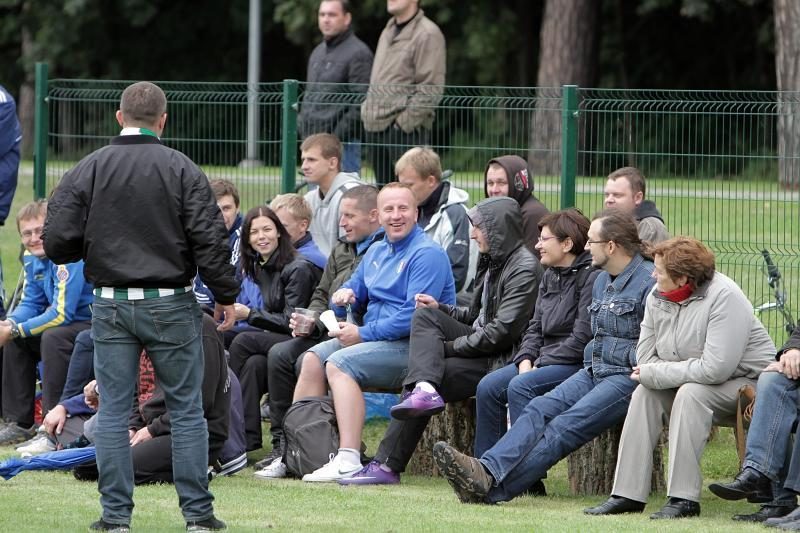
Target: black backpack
x=311 y=435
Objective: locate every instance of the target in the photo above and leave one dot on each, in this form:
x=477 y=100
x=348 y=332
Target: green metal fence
x=711 y=158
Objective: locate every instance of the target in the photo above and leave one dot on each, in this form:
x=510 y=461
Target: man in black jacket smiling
x=143 y=218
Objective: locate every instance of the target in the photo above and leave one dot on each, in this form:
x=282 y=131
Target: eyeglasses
x=28 y=233
x=545 y=239
x=596 y=242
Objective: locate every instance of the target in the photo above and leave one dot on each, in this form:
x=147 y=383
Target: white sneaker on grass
x=40 y=444
x=275 y=470
x=335 y=470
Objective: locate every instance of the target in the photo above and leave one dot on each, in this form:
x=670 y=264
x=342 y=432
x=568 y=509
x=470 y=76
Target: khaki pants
x=690 y=411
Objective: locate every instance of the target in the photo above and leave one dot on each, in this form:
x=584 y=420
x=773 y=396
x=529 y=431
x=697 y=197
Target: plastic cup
x=304 y=320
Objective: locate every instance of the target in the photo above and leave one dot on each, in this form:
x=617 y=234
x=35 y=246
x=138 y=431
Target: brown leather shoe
x=469 y=479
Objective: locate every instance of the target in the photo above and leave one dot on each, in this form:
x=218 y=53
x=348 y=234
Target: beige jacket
x=709 y=338
x=407 y=76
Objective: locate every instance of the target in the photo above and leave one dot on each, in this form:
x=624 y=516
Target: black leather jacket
x=140 y=215
x=512 y=274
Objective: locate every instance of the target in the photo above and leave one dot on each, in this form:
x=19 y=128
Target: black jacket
x=512 y=277
x=330 y=108
x=560 y=327
x=216 y=397
x=140 y=215
x=792 y=343
x=282 y=291
x=343 y=261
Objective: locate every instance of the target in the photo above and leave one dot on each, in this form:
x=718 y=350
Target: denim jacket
x=617 y=310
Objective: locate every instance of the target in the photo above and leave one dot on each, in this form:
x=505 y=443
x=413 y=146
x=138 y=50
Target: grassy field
x=37 y=501
x=55 y=501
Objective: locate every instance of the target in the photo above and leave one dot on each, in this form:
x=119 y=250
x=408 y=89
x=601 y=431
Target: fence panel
x=712 y=166
x=206 y=121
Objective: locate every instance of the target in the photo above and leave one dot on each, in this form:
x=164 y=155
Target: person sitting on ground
x=54 y=308
x=552 y=347
x=281 y=280
x=625 y=190
x=227 y=196
x=71 y=404
x=386 y=283
x=150 y=428
x=700 y=343
x=295 y=215
x=771 y=471
x=451 y=348
x=362 y=229
x=591 y=401
x=442 y=211
x=509 y=175
x=321 y=163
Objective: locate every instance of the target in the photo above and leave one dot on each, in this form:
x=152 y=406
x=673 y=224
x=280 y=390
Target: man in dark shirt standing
x=341 y=57
x=143 y=218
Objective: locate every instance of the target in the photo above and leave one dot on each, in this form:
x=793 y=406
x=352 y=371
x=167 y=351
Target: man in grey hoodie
x=321 y=163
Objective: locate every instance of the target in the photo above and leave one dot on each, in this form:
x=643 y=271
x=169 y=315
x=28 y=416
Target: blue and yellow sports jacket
x=52 y=295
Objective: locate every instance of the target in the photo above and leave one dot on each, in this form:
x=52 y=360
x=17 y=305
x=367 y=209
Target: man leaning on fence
x=405 y=86
x=144 y=219
x=341 y=57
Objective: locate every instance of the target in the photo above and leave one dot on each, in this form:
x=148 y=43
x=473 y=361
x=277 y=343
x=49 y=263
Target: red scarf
x=680 y=294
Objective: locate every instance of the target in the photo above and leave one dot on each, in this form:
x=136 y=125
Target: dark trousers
x=283 y=368
x=20 y=356
x=386 y=147
x=456 y=379
x=248 y=360
x=81 y=366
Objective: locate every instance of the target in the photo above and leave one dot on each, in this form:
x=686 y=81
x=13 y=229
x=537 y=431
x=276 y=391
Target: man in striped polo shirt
x=144 y=219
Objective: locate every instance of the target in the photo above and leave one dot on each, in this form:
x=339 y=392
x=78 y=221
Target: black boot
x=616 y=505
x=749 y=483
x=677 y=508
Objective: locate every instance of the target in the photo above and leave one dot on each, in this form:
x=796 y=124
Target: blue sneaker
x=372 y=474
x=418 y=404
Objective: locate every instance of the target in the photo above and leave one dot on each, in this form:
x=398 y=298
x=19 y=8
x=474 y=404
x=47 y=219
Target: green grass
x=55 y=501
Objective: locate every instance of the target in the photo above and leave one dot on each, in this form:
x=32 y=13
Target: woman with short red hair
x=699 y=344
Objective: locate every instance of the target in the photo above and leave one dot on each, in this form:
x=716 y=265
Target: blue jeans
x=351 y=157
x=169 y=329
x=380 y=364
x=769 y=437
x=507 y=386
x=553 y=426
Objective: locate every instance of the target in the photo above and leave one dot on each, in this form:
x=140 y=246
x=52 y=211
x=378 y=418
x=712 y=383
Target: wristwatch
x=14 y=330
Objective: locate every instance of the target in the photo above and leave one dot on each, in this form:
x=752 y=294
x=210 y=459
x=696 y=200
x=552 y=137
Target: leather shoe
x=677 y=508
x=766 y=512
x=791 y=517
x=616 y=505
x=749 y=483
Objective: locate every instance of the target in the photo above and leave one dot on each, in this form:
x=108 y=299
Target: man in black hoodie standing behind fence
x=625 y=190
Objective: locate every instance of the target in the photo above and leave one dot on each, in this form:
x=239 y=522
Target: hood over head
x=500 y=219
x=520 y=179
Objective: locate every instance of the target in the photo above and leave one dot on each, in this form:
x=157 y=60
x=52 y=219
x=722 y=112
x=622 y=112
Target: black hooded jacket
x=512 y=275
x=520 y=188
x=561 y=326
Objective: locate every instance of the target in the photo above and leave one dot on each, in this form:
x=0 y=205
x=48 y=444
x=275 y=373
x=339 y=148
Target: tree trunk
x=25 y=105
x=567 y=55
x=787 y=51
x=591 y=468
x=456 y=426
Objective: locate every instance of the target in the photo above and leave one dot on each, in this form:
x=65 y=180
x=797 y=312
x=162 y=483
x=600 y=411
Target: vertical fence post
x=289 y=136
x=40 y=133
x=569 y=144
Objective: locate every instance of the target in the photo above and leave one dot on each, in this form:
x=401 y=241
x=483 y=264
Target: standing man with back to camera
x=144 y=219
x=341 y=58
